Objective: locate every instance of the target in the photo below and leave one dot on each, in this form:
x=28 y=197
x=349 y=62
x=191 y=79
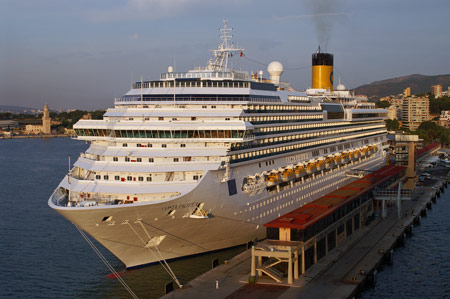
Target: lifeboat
x=364 y=152
x=272 y=179
x=320 y=165
x=357 y=154
x=300 y=171
x=288 y=174
x=351 y=156
x=329 y=162
x=337 y=160
x=345 y=158
x=311 y=168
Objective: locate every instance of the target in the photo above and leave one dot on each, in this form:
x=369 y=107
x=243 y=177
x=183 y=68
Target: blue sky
x=82 y=54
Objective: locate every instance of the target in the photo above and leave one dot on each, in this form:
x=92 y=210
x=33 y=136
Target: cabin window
x=151 y=160
x=117 y=178
x=106 y=177
x=127 y=159
x=98 y=176
x=149 y=179
x=129 y=178
x=115 y=159
x=139 y=159
x=175 y=159
x=141 y=179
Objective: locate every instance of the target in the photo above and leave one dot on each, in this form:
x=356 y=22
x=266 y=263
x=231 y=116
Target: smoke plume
x=324 y=14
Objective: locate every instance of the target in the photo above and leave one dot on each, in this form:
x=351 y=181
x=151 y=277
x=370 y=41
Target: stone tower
x=46 y=121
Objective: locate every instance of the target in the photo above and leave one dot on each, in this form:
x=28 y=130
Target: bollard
x=217 y=284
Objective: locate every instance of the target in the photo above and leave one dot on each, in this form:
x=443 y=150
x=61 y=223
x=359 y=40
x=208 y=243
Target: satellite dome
x=275 y=68
x=170 y=69
x=340 y=87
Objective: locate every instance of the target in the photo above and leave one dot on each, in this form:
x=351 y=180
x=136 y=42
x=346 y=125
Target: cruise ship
x=199 y=160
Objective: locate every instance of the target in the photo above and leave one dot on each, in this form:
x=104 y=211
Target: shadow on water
x=42 y=255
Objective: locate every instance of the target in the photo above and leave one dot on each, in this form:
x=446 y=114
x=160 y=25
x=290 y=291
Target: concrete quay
x=342 y=273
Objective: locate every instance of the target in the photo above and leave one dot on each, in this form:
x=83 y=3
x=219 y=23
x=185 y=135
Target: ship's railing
x=181 y=98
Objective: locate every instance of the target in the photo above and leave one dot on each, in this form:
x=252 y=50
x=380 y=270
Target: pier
x=341 y=273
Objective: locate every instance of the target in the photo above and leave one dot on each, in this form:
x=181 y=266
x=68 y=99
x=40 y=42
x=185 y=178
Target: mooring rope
x=110 y=267
x=165 y=266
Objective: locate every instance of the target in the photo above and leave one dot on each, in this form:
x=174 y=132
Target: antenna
x=69 y=173
x=141 y=92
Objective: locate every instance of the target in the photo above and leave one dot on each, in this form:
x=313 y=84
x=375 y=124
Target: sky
x=82 y=54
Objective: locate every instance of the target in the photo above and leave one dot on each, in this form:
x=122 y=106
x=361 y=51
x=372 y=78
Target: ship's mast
x=224 y=51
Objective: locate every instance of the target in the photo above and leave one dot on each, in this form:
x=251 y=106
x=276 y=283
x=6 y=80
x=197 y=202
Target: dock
x=342 y=273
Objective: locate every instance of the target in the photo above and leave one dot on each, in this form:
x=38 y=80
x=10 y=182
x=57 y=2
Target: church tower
x=46 y=121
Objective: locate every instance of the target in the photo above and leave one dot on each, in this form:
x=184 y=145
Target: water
x=41 y=254
x=421 y=268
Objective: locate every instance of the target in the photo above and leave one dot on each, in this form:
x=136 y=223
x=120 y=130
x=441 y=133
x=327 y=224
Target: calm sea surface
x=43 y=256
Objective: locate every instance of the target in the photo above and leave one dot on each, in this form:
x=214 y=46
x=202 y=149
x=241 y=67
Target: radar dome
x=275 y=69
x=340 y=87
x=170 y=69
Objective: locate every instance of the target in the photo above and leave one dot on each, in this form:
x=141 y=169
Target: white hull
x=233 y=220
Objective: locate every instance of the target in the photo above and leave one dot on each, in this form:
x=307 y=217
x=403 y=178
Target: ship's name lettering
x=297 y=158
x=181 y=206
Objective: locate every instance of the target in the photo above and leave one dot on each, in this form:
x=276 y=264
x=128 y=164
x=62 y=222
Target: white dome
x=275 y=68
x=340 y=87
x=170 y=69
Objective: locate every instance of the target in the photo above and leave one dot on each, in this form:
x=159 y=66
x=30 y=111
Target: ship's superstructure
x=198 y=161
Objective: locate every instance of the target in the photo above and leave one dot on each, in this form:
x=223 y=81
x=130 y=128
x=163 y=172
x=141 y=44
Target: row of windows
x=201 y=98
x=161 y=133
x=295 y=147
x=150 y=160
x=281 y=108
x=192 y=83
x=281 y=118
x=130 y=178
x=297 y=137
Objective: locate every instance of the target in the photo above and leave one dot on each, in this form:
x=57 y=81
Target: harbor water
x=43 y=256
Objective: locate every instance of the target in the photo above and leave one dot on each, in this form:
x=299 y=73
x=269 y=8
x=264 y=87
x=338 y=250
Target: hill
x=419 y=84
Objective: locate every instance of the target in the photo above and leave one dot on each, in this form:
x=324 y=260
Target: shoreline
x=34 y=136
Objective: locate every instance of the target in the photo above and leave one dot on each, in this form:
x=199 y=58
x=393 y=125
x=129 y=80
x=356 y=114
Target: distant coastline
x=34 y=136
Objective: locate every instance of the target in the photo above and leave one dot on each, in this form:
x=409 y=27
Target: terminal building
x=305 y=235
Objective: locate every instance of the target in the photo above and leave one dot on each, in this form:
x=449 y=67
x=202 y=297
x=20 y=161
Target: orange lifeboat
x=351 y=156
x=356 y=154
x=329 y=162
x=311 y=168
x=300 y=171
x=288 y=174
x=364 y=152
x=320 y=164
x=272 y=179
x=345 y=158
x=337 y=160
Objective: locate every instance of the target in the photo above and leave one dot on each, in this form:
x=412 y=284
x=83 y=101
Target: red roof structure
x=312 y=212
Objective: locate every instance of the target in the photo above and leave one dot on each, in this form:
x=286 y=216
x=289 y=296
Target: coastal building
x=8 y=124
x=436 y=90
x=392 y=112
x=407 y=92
x=444 y=118
x=397 y=104
x=44 y=128
x=415 y=110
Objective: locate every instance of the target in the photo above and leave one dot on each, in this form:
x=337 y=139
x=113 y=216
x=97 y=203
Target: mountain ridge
x=419 y=84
